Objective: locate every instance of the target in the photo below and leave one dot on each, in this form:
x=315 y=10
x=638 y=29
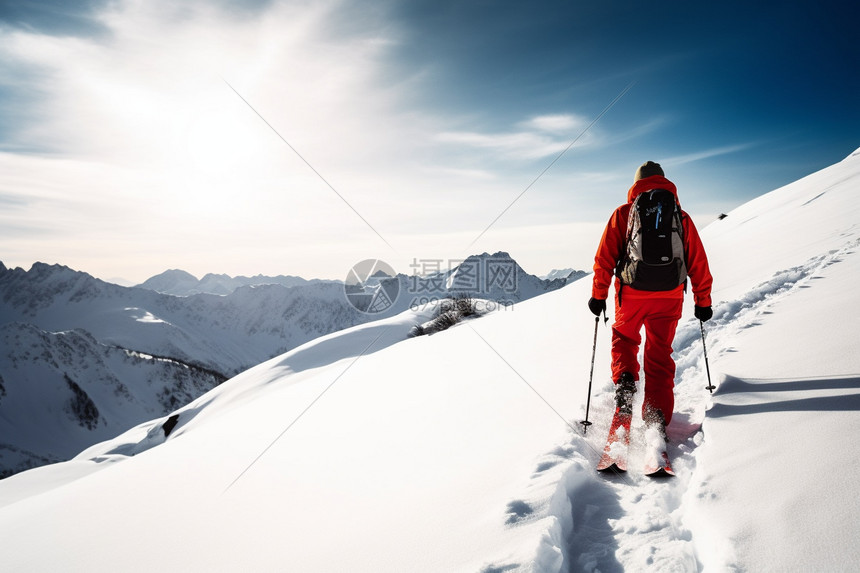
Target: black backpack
x=654 y=258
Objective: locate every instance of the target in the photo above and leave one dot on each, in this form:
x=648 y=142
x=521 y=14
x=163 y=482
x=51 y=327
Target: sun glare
x=220 y=142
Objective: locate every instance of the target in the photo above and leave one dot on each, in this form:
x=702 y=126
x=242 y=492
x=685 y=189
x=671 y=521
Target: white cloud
x=706 y=154
x=140 y=120
x=141 y=89
x=534 y=138
x=565 y=123
x=148 y=160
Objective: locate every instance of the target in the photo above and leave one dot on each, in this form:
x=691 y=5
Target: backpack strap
x=681 y=218
x=622 y=258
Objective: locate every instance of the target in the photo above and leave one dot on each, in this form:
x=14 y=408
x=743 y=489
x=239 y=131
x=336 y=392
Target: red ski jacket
x=612 y=247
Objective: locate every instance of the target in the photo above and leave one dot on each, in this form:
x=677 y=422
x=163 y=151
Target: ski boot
x=624 y=390
x=654 y=418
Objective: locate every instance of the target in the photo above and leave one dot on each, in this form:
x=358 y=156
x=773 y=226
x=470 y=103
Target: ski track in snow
x=630 y=522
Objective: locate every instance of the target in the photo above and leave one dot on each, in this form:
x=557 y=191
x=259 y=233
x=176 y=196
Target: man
x=657 y=310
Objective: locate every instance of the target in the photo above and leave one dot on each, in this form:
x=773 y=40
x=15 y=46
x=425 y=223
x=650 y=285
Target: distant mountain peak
x=171 y=281
x=40 y=267
x=560 y=274
x=177 y=273
x=502 y=255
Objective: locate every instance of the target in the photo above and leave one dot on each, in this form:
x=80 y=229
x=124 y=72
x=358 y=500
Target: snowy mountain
x=498 y=277
x=173 y=281
x=182 y=283
x=126 y=355
x=157 y=351
x=224 y=333
x=64 y=391
x=367 y=450
x=569 y=274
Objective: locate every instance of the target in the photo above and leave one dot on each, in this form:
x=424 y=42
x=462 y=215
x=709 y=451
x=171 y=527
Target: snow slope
x=366 y=450
x=82 y=360
x=780 y=436
x=62 y=392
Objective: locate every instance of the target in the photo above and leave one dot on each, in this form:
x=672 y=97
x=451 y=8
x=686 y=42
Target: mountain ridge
x=178 y=282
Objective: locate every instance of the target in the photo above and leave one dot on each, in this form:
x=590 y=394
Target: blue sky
x=301 y=137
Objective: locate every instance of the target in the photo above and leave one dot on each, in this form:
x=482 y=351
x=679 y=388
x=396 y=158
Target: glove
x=596 y=306
x=704 y=313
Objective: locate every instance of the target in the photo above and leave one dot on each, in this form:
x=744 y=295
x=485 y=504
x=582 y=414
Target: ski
x=657 y=462
x=659 y=466
x=615 y=453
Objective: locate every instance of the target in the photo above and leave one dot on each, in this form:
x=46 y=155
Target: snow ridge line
x=187 y=365
x=602 y=524
x=745 y=311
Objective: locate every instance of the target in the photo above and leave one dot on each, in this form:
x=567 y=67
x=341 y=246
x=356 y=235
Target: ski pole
x=585 y=423
x=710 y=386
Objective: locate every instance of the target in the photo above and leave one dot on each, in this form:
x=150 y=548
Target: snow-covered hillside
x=366 y=450
x=62 y=392
x=139 y=354
x=131 y=354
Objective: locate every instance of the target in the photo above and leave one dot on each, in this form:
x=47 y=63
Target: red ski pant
x=660 y=317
